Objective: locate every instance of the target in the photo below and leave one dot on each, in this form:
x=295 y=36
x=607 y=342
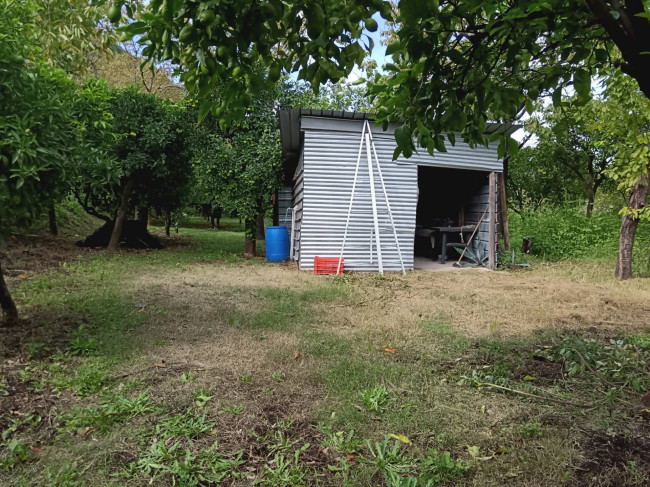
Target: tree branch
x=89 y=209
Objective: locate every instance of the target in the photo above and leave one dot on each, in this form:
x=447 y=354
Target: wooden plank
x=492 y=240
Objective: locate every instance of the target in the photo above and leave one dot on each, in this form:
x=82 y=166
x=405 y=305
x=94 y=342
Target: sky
x=379 y=50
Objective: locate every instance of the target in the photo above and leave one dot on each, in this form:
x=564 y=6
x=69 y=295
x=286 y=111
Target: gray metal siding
x=460 y=156
x=298 y=196
x=329 y=161
x=329 y=164
x=285 y=197
x=477 y=205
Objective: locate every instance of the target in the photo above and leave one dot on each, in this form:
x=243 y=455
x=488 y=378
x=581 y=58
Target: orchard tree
x=627 y=120
x=42 y=126
x=239 y=169
x=573 y=148
x=148 y=164
x=540 y=176
x=458 y=65
x=72 y=36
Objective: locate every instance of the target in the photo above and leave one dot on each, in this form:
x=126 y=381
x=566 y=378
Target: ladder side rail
x=373 y=198
x=390 y=213
x=354 y=185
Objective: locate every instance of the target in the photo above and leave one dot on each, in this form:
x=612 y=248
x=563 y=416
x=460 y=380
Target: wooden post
x=492 y=238
x=503 y=211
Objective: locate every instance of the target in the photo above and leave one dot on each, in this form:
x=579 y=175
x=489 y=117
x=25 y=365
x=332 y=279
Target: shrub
x=562 y=232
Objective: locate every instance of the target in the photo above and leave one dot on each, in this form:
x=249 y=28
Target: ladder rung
x=382 y=212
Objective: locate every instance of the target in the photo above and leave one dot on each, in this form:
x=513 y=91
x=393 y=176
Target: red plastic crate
x=327 y=265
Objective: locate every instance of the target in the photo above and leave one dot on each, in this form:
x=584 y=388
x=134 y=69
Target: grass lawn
x=192 y=366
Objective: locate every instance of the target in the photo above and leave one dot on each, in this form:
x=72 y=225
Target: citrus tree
x=240 y=168
x=43 y=126
x=458 y=65
x=148 y=165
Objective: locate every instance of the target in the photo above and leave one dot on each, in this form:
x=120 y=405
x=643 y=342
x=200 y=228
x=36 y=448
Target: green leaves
x=484 y=60
x=582 y=83
x=47 y=121
x=404 y=141
x=322 y=41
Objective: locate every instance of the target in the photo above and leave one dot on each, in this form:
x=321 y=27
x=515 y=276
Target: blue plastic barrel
x=277 y=244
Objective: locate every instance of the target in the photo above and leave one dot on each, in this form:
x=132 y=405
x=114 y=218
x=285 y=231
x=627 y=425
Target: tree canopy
x=42 y=124
x=458 y=65
x=572 y=158
x=218 y=45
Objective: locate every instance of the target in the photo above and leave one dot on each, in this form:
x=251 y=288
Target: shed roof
x=291 y=134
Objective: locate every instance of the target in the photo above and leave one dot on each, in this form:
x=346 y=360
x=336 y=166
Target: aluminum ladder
x=366 y=137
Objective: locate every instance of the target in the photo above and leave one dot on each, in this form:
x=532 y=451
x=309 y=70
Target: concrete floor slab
x=428 y=264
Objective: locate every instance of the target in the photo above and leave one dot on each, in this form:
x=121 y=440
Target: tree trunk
x=591 y=196
x=503 y=212
x=6 y=303
x=259 y=228
x=249 y=239
x=212 y=219
x=276 y=209
x=142 y=217
x=51 y=213
x=168 y=221
x=121 y=216
x=629 y=223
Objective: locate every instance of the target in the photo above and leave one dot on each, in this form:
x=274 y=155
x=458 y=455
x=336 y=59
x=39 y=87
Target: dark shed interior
x=447 y=198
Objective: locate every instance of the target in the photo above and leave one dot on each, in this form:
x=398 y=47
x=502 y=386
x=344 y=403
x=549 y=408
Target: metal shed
x=320 y=150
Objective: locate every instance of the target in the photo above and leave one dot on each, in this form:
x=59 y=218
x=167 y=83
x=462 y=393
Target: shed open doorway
x=450 y=205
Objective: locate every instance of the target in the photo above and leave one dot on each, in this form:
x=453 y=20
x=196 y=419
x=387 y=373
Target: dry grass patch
x=506 y=304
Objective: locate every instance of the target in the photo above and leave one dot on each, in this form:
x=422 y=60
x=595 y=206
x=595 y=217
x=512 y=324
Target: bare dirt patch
x=23 y=409
x=38 y=334
x=614 y=460
x=543 y=372
x=28 y=255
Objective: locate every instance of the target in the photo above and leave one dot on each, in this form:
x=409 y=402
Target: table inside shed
x=446 y=231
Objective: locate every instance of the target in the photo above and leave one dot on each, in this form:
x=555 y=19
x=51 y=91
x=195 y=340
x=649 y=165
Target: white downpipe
x=293 y=231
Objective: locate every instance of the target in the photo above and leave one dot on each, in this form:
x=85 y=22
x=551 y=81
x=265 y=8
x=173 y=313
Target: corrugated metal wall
x=285 y=197
x=323 y=185
x=298 y=196
x=477 y=205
